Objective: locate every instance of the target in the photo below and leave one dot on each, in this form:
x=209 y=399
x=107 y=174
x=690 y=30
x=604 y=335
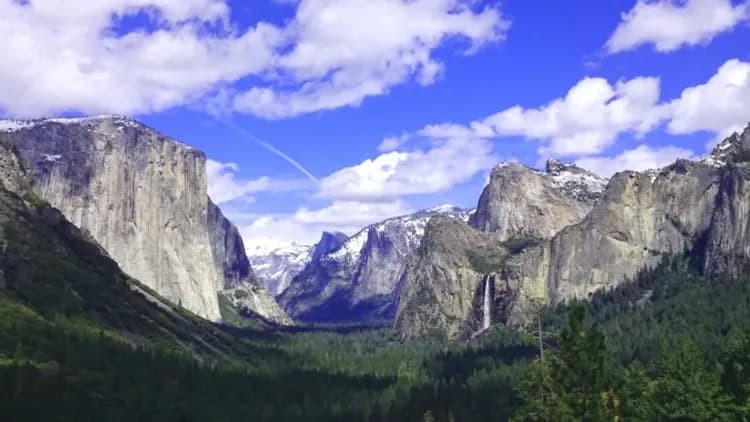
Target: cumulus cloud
x=585 y=121
x=347 y=50
x=446 y=163
x=642 y=157
x=669 y=24
x=305 y=225
x=65 y=55
x=225 y=184
x=721 y=105
x=392 y=143
x=60 y=56
x=588 y=119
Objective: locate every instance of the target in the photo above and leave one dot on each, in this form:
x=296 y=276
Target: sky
x=334 y=114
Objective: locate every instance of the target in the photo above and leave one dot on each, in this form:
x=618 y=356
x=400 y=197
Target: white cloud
x=669 y=25
x=392 y=143
x=62 y=55
x=347 y=50
x=225 y=186
x=588 y=119
x=642 y=157
x=446 y=163
x=305 y=225
x=721 y=105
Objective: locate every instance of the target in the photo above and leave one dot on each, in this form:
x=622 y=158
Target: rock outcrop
x=697 y=207
x=360 y=280
x=51 y=269
x=240 y=286
x=519 y=207
x=143 y=197
x=442 y=289
x=520 y=202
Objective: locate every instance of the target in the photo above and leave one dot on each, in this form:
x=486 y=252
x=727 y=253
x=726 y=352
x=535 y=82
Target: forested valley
x=669 y=345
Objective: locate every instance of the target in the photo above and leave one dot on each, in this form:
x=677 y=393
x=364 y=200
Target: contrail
x=271 y=148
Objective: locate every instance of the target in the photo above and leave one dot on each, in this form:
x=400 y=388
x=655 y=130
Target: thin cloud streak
x=270 y=148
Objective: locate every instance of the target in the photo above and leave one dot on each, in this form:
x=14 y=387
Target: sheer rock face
x=441 y=287
x=519 y=206
x=240 y=285
x=228 y=249
x=520 y=202
x=701 y=207
x=13 y=178
x=14 y=175
x=728 y=241
x=143 y=197
x=360 y=280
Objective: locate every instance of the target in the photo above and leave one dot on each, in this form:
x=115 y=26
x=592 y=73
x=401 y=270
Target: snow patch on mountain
x=276 y=264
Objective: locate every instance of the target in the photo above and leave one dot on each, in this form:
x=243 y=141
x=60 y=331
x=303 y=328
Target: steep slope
x=360 y=280
x=143 y=197
x=447 y=283
x=442 y=289
x=700 y=207
x=54 y=275
x=241 y=287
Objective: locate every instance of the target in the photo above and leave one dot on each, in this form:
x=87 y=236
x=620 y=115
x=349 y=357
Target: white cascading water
x=487 y=308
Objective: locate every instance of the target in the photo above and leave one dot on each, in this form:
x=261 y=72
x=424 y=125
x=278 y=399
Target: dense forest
x=668 y=345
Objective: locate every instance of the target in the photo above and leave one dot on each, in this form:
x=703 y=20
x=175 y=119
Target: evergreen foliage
x=81 y=341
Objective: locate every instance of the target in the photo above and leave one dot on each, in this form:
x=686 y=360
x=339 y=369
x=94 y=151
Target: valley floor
x=668 y=344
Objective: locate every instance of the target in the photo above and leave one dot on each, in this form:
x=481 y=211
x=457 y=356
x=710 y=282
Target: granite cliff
x=143 y=197
x=443 y=285
x=52 y=273
x=543 y=246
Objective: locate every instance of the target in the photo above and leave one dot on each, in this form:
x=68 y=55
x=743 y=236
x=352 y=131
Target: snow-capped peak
x=734 y=148
x=413 y=224
x=15 y=125
x=575 y=181
x=272 y=247
x=444 y=208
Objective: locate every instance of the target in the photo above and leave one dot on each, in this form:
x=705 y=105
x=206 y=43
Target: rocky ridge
x=698 y=207
x=277 y=266
x=519 y=207
x=360 y=280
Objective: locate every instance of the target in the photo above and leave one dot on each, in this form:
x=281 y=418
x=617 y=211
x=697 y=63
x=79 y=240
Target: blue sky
x=453 y=86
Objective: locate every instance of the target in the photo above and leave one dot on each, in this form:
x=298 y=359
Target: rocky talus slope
x=143 y=197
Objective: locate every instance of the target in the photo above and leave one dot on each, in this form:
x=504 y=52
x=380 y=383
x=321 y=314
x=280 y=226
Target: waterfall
x=487 y=307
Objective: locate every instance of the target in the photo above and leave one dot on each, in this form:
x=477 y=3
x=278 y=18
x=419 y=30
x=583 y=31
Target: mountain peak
x=329 y=241
x=556 y=167
x=734 y=149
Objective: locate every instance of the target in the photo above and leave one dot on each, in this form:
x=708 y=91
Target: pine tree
x=686 y=389
x=574 y=382
x=19 y=355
